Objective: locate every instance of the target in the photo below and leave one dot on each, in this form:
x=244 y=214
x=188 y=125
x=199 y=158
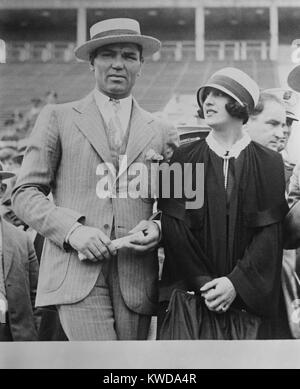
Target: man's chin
x=273 y=146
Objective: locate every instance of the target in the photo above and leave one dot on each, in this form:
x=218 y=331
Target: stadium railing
x=171 y=50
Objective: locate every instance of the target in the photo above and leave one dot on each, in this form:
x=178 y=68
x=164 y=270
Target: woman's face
x=214 y=110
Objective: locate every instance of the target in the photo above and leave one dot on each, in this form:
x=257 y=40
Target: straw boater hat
x=234 y=83
x=117 y=31
x=290 y=100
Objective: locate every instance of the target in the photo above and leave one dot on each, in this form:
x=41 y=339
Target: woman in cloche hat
x=221 y=274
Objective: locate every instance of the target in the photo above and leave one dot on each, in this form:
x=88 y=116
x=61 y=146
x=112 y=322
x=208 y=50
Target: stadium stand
x=159 y=82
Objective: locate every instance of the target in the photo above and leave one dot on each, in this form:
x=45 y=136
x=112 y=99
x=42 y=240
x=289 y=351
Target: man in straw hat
x=102 y=291
x=18 y=279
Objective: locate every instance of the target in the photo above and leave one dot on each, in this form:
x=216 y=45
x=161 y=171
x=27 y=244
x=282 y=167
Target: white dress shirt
x=106 y=109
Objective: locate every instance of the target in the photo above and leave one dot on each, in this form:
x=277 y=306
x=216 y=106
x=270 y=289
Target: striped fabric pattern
x=65 y=149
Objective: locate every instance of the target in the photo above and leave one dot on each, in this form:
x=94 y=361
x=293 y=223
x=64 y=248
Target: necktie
x=114 y=124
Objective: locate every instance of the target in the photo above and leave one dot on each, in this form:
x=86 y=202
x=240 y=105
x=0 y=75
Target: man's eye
x=106 y=54
x=130 y=56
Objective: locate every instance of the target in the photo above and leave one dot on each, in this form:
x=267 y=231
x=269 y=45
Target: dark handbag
x=188 y=318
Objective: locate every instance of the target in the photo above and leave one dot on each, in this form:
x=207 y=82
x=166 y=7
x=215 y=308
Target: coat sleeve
x=37 y=178
x=33 y=277
x=256 y=277
x=294 y=187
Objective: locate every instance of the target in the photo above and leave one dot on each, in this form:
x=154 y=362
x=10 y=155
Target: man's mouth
x=117 y=76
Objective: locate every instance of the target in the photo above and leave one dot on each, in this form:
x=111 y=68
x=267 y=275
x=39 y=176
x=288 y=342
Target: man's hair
x=94 y=53
x=263 y=98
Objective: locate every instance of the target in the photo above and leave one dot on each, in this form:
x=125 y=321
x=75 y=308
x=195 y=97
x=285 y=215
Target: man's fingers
x=108 y=244
x=141 y=248
x=87 y=254
x=139 y=227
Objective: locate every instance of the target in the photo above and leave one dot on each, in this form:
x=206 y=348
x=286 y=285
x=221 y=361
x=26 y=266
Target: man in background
x=267 y=122
x=18 y=280
x=291 y=101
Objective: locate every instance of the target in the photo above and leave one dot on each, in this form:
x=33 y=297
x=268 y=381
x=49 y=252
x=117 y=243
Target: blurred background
x=37 y=65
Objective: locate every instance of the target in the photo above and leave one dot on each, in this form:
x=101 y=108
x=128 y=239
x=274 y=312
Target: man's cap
x=289 y=98
x=293 y=79
x=235 y=83
x=5 y=174
x=117 y=31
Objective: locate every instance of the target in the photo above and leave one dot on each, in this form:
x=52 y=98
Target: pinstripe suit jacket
x=66 y=146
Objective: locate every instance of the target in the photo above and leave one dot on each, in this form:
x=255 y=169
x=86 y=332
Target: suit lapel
x=140 y=134
x=7 y=247
x=90 y=123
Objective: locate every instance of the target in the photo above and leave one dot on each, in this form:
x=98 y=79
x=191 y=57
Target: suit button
x=106 y=226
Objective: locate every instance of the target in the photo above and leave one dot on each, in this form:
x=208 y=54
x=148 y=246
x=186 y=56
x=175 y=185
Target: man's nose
x=118 y=62
x=279 y=133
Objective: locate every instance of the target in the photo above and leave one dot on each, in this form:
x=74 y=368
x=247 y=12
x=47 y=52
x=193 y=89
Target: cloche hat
x=235 y=83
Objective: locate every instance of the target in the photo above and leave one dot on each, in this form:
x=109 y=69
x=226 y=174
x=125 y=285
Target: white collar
x=102 y=99
x=235 y=149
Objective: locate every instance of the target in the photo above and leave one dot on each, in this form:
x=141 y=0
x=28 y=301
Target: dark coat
x=21 y=276
x=240 y=239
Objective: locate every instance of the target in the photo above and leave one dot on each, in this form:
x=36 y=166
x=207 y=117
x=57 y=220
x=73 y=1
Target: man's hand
x=92 y=243
x=218 y=294
x=150 y=239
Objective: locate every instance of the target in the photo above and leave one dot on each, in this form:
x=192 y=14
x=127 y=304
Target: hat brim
x=149 y=44
x=293 y=79
x=6 y=174
x=216 y=86
x=18 y=158
x=292 y=116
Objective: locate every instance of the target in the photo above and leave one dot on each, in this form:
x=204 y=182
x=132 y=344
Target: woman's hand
x=218 y=294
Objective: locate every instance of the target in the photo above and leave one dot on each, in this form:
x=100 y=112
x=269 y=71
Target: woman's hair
x=234 y=108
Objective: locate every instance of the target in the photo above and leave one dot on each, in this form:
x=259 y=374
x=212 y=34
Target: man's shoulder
x=265 y=153
x=69 y=106
x=155 y=117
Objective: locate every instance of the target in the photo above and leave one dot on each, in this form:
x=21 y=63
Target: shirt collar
x=101 y=101
x=235 y=149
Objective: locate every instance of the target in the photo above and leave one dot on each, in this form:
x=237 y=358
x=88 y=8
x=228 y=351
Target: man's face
x=267 y=127
x=3 y=188
x=286 y=135
x=116 y=67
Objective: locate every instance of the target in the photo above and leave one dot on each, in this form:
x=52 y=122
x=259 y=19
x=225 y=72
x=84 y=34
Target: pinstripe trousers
x=103 y=314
